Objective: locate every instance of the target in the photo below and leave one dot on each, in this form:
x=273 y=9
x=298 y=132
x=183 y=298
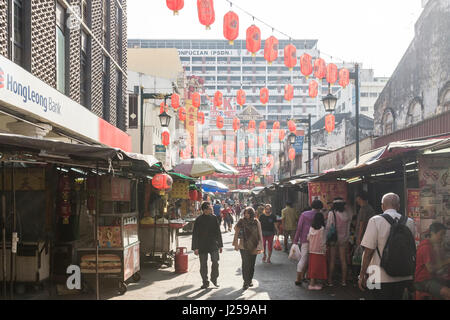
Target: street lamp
x=329 y=102
x=164 y=119
x=292 y=138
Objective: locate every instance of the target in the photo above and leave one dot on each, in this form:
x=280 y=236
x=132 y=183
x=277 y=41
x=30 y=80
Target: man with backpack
x=389 y=256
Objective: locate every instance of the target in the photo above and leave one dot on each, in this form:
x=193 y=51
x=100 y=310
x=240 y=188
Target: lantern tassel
x=231 y=42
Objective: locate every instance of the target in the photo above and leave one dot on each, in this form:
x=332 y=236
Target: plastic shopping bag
x=277 y=245
x=294 y=253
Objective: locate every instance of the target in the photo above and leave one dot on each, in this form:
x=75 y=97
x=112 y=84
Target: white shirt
x=376 y=235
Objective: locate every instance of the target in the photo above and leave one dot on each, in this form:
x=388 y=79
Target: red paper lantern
x=305 y=65
x=291 y=154
x=271 y=161
x=276 y=125
x=206 y=13
x=162 y=181
x=193 y=195
x=281 y=135
x=262 y=126
x=329 y=123
x=251 y=143
x=332 y=73
x=290 y=56
x=165 y=137
x=163 y=107
x=218 y=99
x=313 y=89
x=264 y=95
x=288 y=92
x=175 y=101
x=240 y=97
x=270 y=137
x=344 y=77
x=231 y=26
x=253 y=40
x=271 y=49
x=291 y=126
x=219 y=122
x=175 y=5
x=260 y=141
x=182 y=114
x=236 y=124
x=196 y=99
x=201 y=117
x=242 y=145
x=320 y=68
x=251 y=126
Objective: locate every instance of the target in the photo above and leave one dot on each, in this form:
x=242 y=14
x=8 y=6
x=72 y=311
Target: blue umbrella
x=213 y=186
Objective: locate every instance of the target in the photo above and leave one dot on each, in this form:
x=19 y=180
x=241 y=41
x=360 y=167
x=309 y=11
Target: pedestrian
x=259 y=210
x=217 y=210
x=432 y=268
x=207 y=239
x=248 y=240
x=227 y=217
x=289 y=220
x=341 y=219
x=301 y=238
x=269 y=230
x=384 y=286
x=317 y=266
x=366 y=212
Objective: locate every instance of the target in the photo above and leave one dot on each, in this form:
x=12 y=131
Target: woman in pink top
x=342 y=223
x=317 y=269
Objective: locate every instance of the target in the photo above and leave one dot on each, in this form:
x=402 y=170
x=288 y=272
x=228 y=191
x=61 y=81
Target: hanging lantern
x=236 y=124
x=260 y=141
x=320 y=68
x=344 y=77
x=219 y=122
x=175 y=5
x=175 y=101
x=196 y=100
x=218 y=99
x=276 y=125
x=313 y=89
x=201 y=117
x=305 y=65
x=288 y=92
x=291 y=154
x=182 y=114
x=165 y=137
x=163 y=108
x=193 y=195
x=253 y=40
x=251 y=126
x=206 y=13
x=264 y=95
x=271 y=161
x=271 y=49
x=281 y=135
x=240 y=97
x=329 y=123
x=262 y=126
x=290 y=56
x=162 y=181
x=242 y=145
x=332 y=73
x=269 y=137
x=251 y=143
x=291 y=126
x=231 y=26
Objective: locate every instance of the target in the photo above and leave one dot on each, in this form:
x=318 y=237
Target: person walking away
x=385 y=286
x=269 y=229
x=217 y=211
x=341 y=219
x=227 y=218
x=289 y=220
x=317 y=266
x=301 y=237
x=207 y=239
x=365 y=213
x=248 y=241
x=432 y=269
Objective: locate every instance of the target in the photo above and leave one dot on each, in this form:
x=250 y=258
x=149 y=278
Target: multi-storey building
x=63 y=66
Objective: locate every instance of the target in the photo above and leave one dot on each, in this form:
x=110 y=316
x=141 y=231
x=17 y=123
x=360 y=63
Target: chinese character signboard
x=191 y=124
x=327 y=191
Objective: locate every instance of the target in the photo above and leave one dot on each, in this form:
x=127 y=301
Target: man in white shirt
x=384 y=287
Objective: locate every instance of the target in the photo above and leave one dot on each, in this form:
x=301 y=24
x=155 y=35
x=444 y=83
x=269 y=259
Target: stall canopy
x=213 y=186
x=198 y=167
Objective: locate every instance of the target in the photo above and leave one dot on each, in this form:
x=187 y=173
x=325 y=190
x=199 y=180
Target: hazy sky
x=374 y=32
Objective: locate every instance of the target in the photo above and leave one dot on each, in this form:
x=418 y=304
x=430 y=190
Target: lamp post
x=306 y=122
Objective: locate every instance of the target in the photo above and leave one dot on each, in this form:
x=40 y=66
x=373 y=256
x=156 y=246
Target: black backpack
x=399 y=254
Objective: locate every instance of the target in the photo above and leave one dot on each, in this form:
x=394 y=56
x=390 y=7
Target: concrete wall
x=422 y=77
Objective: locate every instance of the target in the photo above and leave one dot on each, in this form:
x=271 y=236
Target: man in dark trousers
x=206 y=238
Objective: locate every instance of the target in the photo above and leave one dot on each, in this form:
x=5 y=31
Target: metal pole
x=97 y=210
x=405 y=187
x=142 y=120
x=357 y=110
x=14 y=235
x=3 y=230
x=309 y=144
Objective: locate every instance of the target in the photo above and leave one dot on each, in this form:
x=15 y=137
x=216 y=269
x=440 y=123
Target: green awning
x=181 y=176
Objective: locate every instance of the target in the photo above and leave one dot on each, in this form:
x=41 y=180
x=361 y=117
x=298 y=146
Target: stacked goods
x=107 y=263
x=180 y=190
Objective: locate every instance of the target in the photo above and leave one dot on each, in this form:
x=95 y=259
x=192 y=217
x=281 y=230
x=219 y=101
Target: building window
x=60 y=49
x=105 y=80
x=133 y=111
x=84 y=70
x=414 y=112
x=364 y=109
x=105 y=23
x=364 y=94
x=118 y=97
x=19 y=36
x=373 y=94
x=388 y=122
x=118 y=34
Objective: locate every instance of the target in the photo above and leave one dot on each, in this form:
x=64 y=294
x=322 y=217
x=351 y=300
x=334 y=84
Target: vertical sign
x=191 y=125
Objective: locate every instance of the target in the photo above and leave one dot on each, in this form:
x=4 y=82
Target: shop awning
x=181 y=176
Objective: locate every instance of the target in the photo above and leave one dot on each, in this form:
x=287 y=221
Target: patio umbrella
x=199 y=167
x=212 y=186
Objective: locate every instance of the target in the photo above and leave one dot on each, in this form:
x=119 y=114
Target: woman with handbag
x=338 y=234
x=248 y=240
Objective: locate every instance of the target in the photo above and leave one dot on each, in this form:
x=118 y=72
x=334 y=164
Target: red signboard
x=327 y=191
x=244 y=172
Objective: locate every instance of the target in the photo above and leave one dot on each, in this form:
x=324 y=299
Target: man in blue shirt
x=217 y=209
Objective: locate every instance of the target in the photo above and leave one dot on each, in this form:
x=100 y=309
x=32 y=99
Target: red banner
x=244 y=172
